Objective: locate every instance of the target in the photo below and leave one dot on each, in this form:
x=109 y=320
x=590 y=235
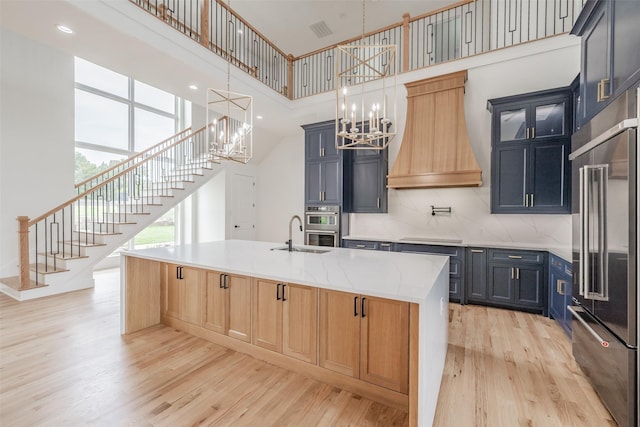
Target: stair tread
x=41 y=268
x=14 y=283
x=66 y=257
x=99 y=233
x=83 y=244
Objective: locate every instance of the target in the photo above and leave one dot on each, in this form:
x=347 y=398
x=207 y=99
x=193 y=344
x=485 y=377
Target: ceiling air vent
x=320 y=29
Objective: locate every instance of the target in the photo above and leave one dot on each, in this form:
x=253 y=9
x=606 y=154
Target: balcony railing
x=464 y=29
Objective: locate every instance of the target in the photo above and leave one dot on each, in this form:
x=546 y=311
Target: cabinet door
x=509 y=177
x=331 y=179
x=239 y=307
x=626 y=39
x=550 y=118
x=172 y=291
x=194 y=281
x=556 y=298
x=476 y=274
x=384 y=343
x=549 y=189
x=501 y=283
x=215 y=314
x=340 y=332
x=313 y=188
x=529 y=286
x=267 y=314
x=510 y=124
x=595 y=62
x=300 y=322
x=367 y=183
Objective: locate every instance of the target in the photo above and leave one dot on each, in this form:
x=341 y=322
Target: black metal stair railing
x=461 y=30
x=111 y=201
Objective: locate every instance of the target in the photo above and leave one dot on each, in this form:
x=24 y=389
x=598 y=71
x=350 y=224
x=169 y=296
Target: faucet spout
x=290 y=241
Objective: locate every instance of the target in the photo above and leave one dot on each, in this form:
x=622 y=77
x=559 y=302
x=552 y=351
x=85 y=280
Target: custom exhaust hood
x=435 y=149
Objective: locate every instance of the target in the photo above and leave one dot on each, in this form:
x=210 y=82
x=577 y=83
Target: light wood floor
x=63 y=362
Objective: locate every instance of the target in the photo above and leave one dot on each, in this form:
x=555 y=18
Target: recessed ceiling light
x=64 y=29
x=259 y=117
x=193 y=87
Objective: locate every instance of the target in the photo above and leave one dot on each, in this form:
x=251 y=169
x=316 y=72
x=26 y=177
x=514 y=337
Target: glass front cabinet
x=530 y=142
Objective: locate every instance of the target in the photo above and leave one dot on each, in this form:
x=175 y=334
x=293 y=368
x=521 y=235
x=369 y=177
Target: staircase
x=59 y=248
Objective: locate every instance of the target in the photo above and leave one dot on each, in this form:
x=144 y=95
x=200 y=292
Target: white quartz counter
x=563 y=252
x=399 y=276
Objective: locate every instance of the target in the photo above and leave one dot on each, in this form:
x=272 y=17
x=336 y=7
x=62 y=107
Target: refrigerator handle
x=603 y=251
x=583 y=272
x=579 y=318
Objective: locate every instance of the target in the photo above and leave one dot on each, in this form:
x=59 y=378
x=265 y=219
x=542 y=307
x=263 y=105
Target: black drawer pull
x=278 y=291
x=283 y=290
x=221 y=278
x=362 y=307
x=355 y=306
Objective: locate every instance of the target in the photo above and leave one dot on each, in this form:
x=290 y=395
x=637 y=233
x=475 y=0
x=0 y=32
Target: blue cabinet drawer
x=361 y=244
x=516 y=256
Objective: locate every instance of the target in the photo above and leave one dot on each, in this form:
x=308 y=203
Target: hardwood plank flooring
x=63 y=362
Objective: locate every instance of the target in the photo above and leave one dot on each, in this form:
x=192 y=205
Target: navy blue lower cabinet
x=560 y=288
x=507 y=278
x=476 y=275
x=456 y=265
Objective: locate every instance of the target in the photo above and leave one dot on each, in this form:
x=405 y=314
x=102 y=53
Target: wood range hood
x=435 y=150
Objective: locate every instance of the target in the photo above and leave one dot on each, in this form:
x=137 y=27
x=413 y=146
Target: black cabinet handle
x=355 y=306
x=221 y=279
x=283 y=298
x=226 y=281
x=177 y=272
x=278 y=291
x=362 y=307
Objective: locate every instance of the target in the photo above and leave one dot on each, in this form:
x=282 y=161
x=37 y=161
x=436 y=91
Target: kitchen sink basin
x=299 y=249
x=430 y=240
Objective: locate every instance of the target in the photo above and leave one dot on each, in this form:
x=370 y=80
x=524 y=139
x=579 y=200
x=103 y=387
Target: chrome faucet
x=289 y=242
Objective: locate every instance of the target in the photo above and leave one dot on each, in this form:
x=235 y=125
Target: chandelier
x=364 y=116
x=229 y=115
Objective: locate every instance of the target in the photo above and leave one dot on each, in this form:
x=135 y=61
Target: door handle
x=221 y=278
x=278 y=291
x=512 y=274
x=560 y=286
x=531 y=200
x=362 y=307
x=284 y=286
x=518 y=273
x=355 y=306
x=515 y=256
x=526 y=200
x=533 y=133
x=527 y=133
x=226 y=281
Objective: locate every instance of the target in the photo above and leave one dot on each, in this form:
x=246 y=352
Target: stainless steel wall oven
x=322 y=226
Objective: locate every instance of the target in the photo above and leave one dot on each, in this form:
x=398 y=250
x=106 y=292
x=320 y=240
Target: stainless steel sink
x=299 y=249
x=430 y=239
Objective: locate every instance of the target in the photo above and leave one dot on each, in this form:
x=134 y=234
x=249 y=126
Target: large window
x=116 y=117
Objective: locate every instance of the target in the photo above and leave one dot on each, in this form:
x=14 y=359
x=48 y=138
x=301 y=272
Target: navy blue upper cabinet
x=610 y=60
x=367 y=185
x=323 y=165
x=531 y=135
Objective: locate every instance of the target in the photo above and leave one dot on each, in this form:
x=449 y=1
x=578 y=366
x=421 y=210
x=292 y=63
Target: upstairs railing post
x=204 y=24
x=23 y=246
x=405 y=43
x=290 y=80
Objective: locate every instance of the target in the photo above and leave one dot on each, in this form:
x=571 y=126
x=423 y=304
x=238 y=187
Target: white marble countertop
x=562 y=252
x=399 y=276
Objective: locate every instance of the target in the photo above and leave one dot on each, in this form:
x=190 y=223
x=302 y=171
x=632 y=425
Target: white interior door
x=243 y=215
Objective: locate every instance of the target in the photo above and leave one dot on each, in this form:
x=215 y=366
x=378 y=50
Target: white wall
x=280 y=180
x=535 y=66
x=36 y=136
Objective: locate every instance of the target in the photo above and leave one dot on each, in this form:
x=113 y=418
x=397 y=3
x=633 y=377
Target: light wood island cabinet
x=350 y=330
x=285 y=319
x=228 y=305
x=365 y=337
x=182 y=291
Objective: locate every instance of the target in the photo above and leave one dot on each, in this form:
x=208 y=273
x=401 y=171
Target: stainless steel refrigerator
x=605 y=254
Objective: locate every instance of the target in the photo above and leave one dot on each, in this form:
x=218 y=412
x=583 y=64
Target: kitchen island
x=374 y=323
